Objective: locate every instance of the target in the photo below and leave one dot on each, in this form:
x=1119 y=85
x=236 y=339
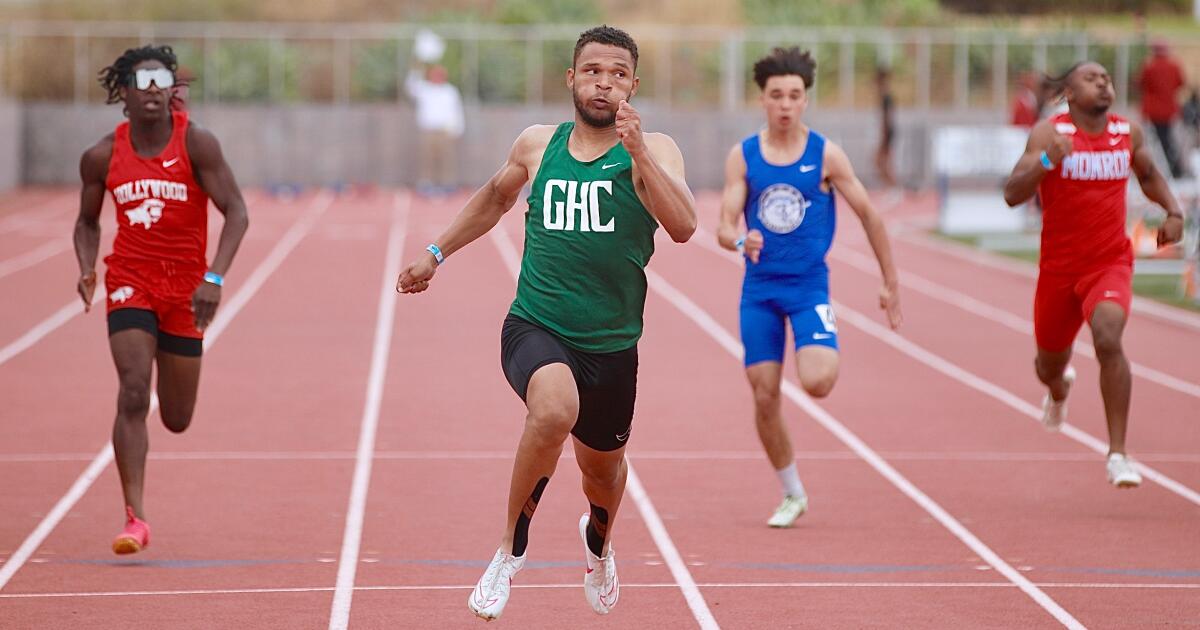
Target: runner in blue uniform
x=781 y=180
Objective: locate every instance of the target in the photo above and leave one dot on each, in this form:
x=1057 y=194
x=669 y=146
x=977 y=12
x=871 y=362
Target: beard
x=1096 y=105
x=601 y=121
x=1099 y=108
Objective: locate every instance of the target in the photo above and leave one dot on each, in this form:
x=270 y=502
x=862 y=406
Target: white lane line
x=662 y=539
x=670 y=555
x=58 y=318
x=847 y=437
x=33 y=257
x=288 y=456
x=339 y=615
x=878 y=331
x=38 y=217
x=867 y=325
x=1009 y=320
x=45 y=327
x=1029 y=270
x=624 y=585
x=225 y=314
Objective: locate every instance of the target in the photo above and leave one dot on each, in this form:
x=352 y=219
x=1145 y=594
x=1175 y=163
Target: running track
x=350 y=454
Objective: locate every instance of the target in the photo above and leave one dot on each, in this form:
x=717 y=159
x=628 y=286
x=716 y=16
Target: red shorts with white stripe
x=1063 y=302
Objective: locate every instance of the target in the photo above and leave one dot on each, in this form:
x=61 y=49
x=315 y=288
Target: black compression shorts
x=141 y=319
x=607 y=382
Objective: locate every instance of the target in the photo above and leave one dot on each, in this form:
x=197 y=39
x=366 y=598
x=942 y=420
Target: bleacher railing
x=685 y=67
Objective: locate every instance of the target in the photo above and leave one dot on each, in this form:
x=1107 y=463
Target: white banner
x=977 y=151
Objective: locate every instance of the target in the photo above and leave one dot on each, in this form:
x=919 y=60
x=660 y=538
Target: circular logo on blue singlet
x=781 y=208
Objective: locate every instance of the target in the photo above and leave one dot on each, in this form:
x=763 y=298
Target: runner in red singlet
x=161 y=170
x=1080 y=162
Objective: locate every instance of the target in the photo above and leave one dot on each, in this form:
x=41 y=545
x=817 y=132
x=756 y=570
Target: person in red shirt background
x=161 y=170
x=1160 y=80
x=1027 y=105
x=1080 y=162
x=180 y=91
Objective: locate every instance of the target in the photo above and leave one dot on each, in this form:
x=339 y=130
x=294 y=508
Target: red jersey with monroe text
x=1083 y=200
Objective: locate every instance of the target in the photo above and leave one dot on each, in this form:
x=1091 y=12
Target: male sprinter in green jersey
x=569 y=344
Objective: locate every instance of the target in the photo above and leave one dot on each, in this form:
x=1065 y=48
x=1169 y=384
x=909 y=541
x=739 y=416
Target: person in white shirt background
x=440 y=125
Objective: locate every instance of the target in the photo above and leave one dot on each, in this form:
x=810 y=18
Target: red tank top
x=1083 y=200
x=162 y=213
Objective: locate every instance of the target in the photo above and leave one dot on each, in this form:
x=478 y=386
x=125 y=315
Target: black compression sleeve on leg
x=521 y=533
x=183 y=346
x=126 y=318
x=597 y=530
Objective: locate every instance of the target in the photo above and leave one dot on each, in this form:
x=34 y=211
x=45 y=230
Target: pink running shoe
x=135 y=536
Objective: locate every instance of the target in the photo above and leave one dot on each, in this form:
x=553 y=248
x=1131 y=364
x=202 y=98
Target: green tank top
x=587 y=241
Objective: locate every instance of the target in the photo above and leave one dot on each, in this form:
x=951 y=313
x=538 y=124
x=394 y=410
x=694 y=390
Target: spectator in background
x=440 y=124
x=887 y=131
x=1027 y=105
x=1191 y=118
x=1160 y=80
x=179 y=92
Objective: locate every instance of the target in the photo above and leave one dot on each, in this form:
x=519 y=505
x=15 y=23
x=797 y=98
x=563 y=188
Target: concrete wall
x=323 y=144
x=10 y=145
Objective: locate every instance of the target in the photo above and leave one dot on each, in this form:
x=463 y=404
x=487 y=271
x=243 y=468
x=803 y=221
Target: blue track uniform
x=790 y=280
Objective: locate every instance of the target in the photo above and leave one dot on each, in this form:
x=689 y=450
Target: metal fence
x=684 y=67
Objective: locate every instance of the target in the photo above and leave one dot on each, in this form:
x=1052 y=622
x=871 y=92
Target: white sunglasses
x=161 y=77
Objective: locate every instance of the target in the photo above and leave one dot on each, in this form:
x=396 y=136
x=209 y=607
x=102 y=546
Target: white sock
x=789 y=478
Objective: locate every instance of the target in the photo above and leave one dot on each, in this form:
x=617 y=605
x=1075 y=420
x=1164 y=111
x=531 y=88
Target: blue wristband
x=214 y=278
x=1046 y=163
x=740 y=244
x=437 y=253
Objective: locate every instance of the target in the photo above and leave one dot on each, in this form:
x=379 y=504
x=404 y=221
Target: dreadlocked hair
x=118 y=74
x=1059 y=83
x=784 y=61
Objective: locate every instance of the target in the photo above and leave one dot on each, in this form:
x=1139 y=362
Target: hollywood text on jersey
x=140 y=189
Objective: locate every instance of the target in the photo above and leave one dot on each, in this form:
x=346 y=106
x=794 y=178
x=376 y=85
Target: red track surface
x=250 y=506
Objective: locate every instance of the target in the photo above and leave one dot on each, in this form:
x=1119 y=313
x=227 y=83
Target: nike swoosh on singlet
x=805 y=168
x=170 y=163
x=608 y=166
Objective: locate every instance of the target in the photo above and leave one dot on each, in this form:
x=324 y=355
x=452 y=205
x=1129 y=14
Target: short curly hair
x=784 y=61
x=608 y=35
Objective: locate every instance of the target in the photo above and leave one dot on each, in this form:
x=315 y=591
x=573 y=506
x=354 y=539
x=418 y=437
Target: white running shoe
x=1122 y=473
x=791 y=509
x=488 y=599
x=1054 y=412
x=600 y=584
